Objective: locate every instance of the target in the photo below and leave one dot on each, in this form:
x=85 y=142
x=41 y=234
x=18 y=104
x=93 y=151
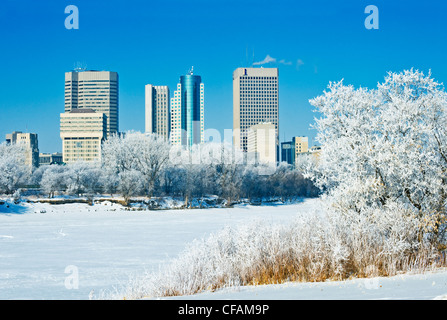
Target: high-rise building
x=255 y=100
x=187 y=111
x=31 y=143
x=261 y=143
x=157 y=110
x=82 y=132
x=96 y=90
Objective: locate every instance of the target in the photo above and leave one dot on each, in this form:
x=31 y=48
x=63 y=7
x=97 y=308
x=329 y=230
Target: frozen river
x=69 y=251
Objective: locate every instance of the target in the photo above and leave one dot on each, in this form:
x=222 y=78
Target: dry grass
x=314 y=248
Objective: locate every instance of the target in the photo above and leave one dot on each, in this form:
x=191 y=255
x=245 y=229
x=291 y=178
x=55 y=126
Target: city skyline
x=310 y=44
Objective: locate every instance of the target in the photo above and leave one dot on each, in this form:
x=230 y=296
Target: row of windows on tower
x=258 y=78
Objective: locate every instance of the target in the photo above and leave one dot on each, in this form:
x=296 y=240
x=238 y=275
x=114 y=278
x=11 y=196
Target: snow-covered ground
x=413 y=286
x=43 y=247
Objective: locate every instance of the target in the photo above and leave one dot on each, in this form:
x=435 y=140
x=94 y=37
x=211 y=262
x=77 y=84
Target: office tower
x=82 y=132
x=157 y=110
x=261 y=143
x=187 y=111
x=31 y=143
x=255 y=100
x=96 y=90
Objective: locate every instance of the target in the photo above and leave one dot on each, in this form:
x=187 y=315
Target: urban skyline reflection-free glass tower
x=187 y=111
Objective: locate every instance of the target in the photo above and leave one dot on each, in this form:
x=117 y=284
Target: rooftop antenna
x=191 y=71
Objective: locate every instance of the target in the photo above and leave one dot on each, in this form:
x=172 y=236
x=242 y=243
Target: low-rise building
x=82 y=133
x=50 y=158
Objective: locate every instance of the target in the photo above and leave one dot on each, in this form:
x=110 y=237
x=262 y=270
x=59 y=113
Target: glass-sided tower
x=190 y=95
x=187 y=117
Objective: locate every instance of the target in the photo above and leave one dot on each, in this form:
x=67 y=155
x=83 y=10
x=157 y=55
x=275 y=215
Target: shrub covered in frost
x=315 y=247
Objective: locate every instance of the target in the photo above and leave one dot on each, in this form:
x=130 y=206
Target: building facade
x=82 y=132
x=187 y=111
x=261 y=144
x=50 y=158
x=96 y=90
x=300 y=145
x=255 y=100
x=31 y=143
x=157 y=110
x=291 y=150
x=286 y=152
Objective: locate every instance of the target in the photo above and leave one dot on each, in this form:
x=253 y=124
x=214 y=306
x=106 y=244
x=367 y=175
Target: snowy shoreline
x=9 y=205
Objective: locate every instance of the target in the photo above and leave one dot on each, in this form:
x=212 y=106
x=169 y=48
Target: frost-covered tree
x=193 y=171
x=253 y=185
x=83 y=177
x=229 y=166
x=171 y=180
x=143 y=153
x=130 y=183
x=13 y=170
x=54 y=179
x=384 y=145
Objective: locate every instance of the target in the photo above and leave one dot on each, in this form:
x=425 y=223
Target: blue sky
x=313 y=42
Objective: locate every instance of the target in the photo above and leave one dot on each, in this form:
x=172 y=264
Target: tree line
x=137 y=164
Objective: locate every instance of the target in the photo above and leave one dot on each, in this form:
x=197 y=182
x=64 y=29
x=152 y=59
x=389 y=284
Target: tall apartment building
x=157 y=110
x=261 y=143
x=82 y=132
x=187 y=111
x=96 y=90
x=31 y=143
x=255 y=100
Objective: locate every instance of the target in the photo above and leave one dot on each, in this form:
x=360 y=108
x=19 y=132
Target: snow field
x=108 y=245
